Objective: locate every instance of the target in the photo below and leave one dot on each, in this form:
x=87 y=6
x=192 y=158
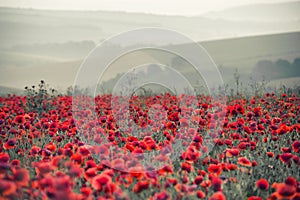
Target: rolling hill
x=51 y=45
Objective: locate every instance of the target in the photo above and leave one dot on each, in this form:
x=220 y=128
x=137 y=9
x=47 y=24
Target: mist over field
x=51 y=45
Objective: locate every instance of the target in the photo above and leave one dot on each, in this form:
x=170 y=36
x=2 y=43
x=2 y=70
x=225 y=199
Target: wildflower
x=198 y=180
x=10 y=143
x=7 y=188
x=255 y=198
x=231 y=166
x=217 y=196
x=215 y=169
x=77 y=158
x=140 y=186
x=19 y=119
x=262 y=184
x=161 y=196
x=216 y=184
x=270 y=154
x=90 y=173
x=232 y=152
x=296 y=146
x=21 y=177
x=291 y=181
x=100 y=181
x=200 y=194
x=244 y=161
x=283 y=190
x=186 y=166
x=285 y=158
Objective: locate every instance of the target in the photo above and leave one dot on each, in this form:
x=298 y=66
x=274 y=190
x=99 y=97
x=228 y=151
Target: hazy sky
x=168 y=7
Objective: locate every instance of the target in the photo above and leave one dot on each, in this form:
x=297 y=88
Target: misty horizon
x=52 y=44
x=129 y=6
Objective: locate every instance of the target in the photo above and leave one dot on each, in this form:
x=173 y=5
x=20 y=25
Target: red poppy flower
x=34 y=150
x=284 y=191
x=286 y=150
x=86 y=191
x=83 y=151
x=90 y=173
x=63 y=183
x=200 y=194
x=21 y=177
x=262 y=184
x=255 y=198
x=283 y=129
x=243 y=145
x=75 y=171
x=270 y=154
x=296 y=159
x=216 y=184
x=68 y=152
x=254 y=163
x=10 y=143
x=291 y=181
x=244 y=161
x=231 y=166
x=247 y=130
x=186 y=166
x=15 y=162
x=90 y=164
x=184 y=179
x=137 y=171
x=100 y=181
x=232 y=152
x=206 y=184
x=50 y=147
x=296 y=146
x=285 y=157
x=77 y=158
x=198 y=180
x=215 y=169
x=19 y=119
x=140 y=186
x=7 y=188
x=42 y=168
x=161 y=196
x=166 y=169
x=217 y=196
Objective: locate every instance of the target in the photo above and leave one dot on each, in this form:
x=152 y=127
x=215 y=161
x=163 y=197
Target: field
x=160 y=123
x=49 y=150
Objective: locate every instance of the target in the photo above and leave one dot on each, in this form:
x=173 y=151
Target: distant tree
x=296 y=67
x=283 y=67
x=274 y=70
x=264 y=68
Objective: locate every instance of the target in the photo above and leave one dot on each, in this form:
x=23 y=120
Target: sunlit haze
x=167 y=7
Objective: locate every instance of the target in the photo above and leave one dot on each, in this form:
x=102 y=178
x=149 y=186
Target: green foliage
x=38 y=98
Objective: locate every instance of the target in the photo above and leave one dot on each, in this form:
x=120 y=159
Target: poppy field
x=47 y=153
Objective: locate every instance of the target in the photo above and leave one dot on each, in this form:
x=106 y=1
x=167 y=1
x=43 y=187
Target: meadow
x=47 y=153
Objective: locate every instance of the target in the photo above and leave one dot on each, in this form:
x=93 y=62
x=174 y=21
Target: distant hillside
x=4 y=91
x=245 y=52
x=288 y=11
x=67 y=51
x=29 y=26
x=27 y=67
